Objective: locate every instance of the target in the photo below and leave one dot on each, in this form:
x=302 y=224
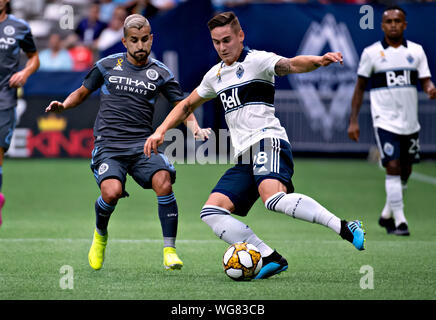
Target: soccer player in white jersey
x=244 y=84
x=394 y=66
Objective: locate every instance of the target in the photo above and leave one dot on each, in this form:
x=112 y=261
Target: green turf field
x=48 y=222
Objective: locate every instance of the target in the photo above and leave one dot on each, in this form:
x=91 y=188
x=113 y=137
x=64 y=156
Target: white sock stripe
x=272 y=201
x=212 y=210
x=210 y=206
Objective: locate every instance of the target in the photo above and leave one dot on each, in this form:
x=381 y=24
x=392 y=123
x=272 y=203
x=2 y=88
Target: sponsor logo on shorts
x=103 y=168
x=388 y=149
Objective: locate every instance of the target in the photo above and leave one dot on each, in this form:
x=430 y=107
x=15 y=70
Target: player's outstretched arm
x=301 y=64
x=179 y=114
x=428 y=87
x=73 y=100
x=356 y=103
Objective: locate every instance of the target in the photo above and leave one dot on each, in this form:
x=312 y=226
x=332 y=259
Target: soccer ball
x=242 y=261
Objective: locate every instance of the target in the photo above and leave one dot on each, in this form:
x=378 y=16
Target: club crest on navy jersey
x=152 y=74
x=239 y=71
x=9 y=30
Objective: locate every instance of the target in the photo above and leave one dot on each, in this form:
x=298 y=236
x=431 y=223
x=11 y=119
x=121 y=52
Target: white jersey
x=246 y=92
x=394 y=74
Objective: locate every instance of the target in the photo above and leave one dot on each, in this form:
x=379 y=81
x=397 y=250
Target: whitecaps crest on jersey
x=326 y=93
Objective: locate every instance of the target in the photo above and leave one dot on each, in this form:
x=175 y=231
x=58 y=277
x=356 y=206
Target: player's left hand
x=331 y=57
x=432 y=94
x=18 y=79
x=201 y=134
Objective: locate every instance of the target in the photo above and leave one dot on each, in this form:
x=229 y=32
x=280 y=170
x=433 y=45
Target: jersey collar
x=243 y=54
x=386 y=45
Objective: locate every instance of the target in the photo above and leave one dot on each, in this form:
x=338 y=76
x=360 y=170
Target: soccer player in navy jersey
x=130 y=83
x=15 y=35
x=394 y=65
x=243 y=82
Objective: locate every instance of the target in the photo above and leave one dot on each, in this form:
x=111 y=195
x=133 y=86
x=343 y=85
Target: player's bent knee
x=163 y=189
x=220 y=200
x=161 y=183
x=111 y=191
x=393 y=168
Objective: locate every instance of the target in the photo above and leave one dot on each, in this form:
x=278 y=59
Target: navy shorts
x=114 y=163
x=270 y=158
x=394 y=146
x=8 y=119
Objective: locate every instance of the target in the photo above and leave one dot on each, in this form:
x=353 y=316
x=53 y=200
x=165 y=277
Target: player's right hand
x=55 y=106
x=153 y=141
x=354 y=131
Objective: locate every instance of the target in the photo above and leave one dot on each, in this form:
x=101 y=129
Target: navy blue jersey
x=127 y=98
x=15 y=34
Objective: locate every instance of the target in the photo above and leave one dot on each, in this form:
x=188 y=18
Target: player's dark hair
x=8 y=8
x=395 y=8
x=224 y=19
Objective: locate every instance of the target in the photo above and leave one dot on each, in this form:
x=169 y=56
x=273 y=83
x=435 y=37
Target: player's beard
x=140 y=59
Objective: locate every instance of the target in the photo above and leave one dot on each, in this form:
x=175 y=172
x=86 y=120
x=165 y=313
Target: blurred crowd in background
x=98 y=25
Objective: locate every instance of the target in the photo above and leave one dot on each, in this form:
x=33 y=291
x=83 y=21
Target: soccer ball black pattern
x=242 y=261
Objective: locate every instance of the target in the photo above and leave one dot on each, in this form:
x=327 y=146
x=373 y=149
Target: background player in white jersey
x=15 y=35
x=244 y=83
x=394 y=66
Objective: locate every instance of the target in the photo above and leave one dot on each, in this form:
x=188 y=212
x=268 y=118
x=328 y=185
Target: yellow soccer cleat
x=171 y=260
x=96 y=253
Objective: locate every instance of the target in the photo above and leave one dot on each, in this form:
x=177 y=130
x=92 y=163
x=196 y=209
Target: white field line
x=423 y=178
x=418 y=176
x=192 y=241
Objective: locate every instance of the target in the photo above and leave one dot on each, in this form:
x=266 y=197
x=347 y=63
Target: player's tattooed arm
x=187 y=110
x=283 y=67
x=301 y=64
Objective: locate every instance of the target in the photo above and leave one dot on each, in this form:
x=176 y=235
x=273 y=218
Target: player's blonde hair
x=135 y=21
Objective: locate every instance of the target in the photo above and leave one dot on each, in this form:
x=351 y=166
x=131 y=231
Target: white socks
x=394 y=195
x=304 y=208
x=230 y=229
x=386 y=212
